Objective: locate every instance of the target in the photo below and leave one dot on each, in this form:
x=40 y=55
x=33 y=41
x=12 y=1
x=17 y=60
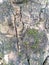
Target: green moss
x=33 y=32
x=1 y=55
x=34 y=46
x=25 y=43
x=25 y=1
x=5 y=63
x=36 y=40
x=20 y=54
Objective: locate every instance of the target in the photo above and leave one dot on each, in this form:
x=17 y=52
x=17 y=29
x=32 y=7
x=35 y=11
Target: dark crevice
x=45 y=60
x=20 y=2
